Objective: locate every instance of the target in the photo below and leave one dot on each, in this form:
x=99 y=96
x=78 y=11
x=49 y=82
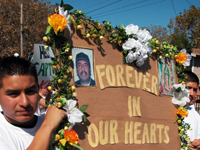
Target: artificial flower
x=181 y=95
x=183 y=112
x=66 y=15
x=144 y=35
x=57 y=22
x=184 y=58
x=71 y=136
x=140 y=61
x=74 y=115
x=132 y=56
x=129 y=44
x=131 y=29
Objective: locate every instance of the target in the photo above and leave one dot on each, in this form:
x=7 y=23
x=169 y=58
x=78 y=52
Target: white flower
x=66 y=15
x=129 y=44
x=132 y=56
x=144 y=35
x=181 y=95
x=131 y=29
x=148 y=49
x=189 y=57
x=74 y=115
x=140 y=61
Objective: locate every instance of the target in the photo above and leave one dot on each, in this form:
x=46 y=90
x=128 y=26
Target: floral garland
x=135 y=44
x=181 y=98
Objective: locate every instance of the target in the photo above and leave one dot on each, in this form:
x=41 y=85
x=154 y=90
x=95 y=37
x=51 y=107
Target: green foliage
x=35 y=13
x=187 y=22
x=181 y=41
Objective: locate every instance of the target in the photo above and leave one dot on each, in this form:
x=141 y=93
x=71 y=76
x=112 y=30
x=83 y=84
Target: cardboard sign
x=126 y=109
x=42 y=61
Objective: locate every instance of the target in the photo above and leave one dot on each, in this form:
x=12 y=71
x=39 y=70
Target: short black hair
x=10 y=66
x=82 y=56
x=191 y=77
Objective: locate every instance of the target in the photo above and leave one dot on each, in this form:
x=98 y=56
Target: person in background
x=20 y=128
x=193 y=118
x=83 y=69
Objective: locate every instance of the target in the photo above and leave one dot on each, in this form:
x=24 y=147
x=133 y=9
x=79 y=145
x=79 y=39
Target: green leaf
x=83 y=108
x=77 y=146
x=61 y=147
x=61 y=3
x=68 y=7
x=49 y=29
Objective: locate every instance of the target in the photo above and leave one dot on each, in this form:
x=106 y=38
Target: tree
x=159 y=32
x=187 y=22
x=181 y=41
x=35 y=13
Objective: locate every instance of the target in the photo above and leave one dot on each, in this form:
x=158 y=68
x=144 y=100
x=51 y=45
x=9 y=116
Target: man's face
x=192 y=87
x=19 y=98
x=83 y=70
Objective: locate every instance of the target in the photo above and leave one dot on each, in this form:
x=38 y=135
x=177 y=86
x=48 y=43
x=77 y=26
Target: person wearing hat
x=83 y=70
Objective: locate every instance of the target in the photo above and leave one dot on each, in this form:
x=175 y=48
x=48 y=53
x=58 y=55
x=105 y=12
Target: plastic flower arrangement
x=181 y=98
x=65 y=96
x=137 y=45
x=166 y=50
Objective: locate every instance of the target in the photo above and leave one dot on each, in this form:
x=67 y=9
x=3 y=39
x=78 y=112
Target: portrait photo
x=83 y=62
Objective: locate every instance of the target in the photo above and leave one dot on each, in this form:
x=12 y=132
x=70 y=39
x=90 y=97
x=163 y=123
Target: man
x=193 y=118
x=83 y=69
x=20 y=129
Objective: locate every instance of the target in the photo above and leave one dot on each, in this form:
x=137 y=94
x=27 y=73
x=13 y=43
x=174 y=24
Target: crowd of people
x=27 y=123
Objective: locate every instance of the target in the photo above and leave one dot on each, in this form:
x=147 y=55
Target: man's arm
x=43 y=136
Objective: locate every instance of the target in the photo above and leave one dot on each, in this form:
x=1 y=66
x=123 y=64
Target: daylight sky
x=138 y=12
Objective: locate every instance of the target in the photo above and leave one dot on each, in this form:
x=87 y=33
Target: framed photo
x=83 y=61
x=166 y=75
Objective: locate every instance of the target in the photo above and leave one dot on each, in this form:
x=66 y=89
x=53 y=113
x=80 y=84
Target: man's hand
x=195 y=145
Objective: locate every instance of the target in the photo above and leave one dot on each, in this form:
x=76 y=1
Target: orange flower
x=57 y=22
x=181 y=58
x=182 y=112
x=71 y=136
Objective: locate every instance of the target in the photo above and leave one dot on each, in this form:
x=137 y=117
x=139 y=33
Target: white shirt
x=193 y=119
x=16 y=138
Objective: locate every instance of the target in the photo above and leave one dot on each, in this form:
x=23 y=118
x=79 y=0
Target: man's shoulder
x=78 y=82
x=92 y=82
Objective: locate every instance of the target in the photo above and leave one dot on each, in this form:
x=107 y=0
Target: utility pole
x=21 y=32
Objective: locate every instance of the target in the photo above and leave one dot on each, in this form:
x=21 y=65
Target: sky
x=138 y=12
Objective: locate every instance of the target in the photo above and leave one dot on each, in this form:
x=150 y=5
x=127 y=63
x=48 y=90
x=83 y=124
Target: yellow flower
x=59 y=104
x=46 y=47
x=101 y=37
x=88 y=35
x=166 y=55
x=94 y=35
x=73 y=88
x=78 y=27
x=57 y=137
x=54 y=67
x=179 y=121
x=154 y=51
x=160 y=57
x=45 y=38
x=57 y=22
x=74 y=94
x=63 y=142
x=60 y=81
x=67 y=50
x=70 y=57
x=49 y=88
